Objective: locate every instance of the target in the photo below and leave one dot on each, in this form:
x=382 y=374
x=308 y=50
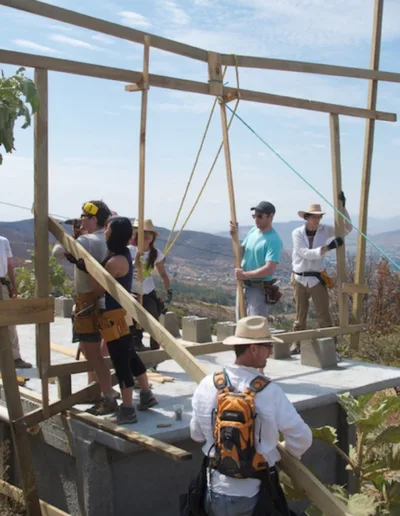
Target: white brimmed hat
x=251 y=330
x=313 y=209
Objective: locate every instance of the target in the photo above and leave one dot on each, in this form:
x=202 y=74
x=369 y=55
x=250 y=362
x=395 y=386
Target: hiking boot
x=104 y=406
x=124 y=416
x=147 y=400
x=21 y=364
x=139 y=346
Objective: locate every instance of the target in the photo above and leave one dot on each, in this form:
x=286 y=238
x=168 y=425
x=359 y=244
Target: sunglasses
x=259 y=215
x=268 y=346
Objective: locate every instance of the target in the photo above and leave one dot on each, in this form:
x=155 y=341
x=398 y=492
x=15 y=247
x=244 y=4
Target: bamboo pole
x=343 y=299
x=367 y=166
x=19 y=435
x=41 y=211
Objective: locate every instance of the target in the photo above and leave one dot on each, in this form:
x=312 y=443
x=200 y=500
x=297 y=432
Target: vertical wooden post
x=41 y=211
x=343 y=299
x=216 y=88
x=142 y=155
x=19 y=434
x=367 y=165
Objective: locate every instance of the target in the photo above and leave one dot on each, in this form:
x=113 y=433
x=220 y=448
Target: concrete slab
x=307 y=387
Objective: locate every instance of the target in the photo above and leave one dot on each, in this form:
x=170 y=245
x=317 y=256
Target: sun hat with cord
x=313 y=209
x=253 y=329
x=147 y=226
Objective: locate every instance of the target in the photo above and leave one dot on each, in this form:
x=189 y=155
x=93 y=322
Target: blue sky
x=94 y=124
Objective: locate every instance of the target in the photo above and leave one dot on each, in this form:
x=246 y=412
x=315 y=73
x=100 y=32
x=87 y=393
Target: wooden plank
x=41 y=213
x=341 y=274
x=26 y=311
x=175 y=47
x=354 y=288
x=318 y=333
x=359 y=276
x=134 y=87
x=15 y=493
x=160 y=81
x=168 y=450
x=315 y=490
x=64 y=386
x=175 y=349
x=15 y=411
x=37 y=416
x=215 y=75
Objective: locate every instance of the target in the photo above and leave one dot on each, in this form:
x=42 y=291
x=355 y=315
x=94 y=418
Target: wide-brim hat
x=147 y=226
x=253 y=329
x=313 y=209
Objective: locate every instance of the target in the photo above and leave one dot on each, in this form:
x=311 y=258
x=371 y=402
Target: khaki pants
x=12 y=329
x=320 y=297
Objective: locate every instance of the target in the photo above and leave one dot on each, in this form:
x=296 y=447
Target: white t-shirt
x=5 y=254
x=275 y=413
x=148 y=282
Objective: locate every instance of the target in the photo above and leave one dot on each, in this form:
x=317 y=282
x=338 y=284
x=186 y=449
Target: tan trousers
x=12 y=329
x=320 y=297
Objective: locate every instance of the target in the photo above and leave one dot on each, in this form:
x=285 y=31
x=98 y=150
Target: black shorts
x=84 y=337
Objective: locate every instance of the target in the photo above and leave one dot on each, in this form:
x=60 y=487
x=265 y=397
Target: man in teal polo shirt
x=261 y=251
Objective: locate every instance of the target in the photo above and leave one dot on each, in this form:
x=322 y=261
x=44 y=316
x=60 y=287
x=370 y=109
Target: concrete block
x=281 y=351
x=319 y=353
x=170 y=322
x=225 y=330
x=63 y=306
x=196 y=329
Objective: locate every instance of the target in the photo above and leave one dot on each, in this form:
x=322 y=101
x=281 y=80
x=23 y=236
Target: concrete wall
x=85 y=478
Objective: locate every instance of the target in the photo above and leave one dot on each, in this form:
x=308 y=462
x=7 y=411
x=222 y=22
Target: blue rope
x=379 y=249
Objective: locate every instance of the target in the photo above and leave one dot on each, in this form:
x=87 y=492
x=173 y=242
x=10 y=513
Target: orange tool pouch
x=113 y=324
x=86 y=322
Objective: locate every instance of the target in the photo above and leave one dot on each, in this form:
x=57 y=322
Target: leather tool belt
x=113 y=324
x=272 y=293
x=7 y=283
x=86 y=313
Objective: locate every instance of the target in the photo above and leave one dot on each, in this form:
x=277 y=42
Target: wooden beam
x=41 y=213
x=145 y=441
x=359 y=276
x=173 y=347
x=134 y=87
x=215 y=75
x=15 y=411
x=182 y=49
x=64 y=386
x=326 y=501
x=16 y=494
x=318 y=333
x=354 y=288
x=26 y=311
x=37 y=416
x=341 y=274
x=160 y=81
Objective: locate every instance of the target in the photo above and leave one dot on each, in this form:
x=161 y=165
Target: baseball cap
x=264 y=207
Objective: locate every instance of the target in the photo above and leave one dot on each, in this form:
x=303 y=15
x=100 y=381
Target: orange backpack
x=234 y=429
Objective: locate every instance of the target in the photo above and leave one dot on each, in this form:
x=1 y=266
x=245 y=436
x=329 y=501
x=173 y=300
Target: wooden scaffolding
x=40 y=310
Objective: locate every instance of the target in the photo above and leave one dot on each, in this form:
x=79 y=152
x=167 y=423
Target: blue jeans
x=218 y=504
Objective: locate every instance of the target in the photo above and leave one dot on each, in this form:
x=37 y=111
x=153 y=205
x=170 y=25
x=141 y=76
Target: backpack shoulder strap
x=221 y=380
x=257 y=385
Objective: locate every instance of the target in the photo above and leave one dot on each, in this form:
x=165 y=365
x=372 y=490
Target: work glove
x=336 y=242
x=169 y=295
x=342 y=198
x=81 y=265
x=71 y=258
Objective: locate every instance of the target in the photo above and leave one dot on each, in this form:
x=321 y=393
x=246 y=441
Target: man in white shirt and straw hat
x=311 y=242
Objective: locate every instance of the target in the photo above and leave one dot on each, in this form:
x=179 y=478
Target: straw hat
x=148 y=226
x=313 y=209
x=251 y=330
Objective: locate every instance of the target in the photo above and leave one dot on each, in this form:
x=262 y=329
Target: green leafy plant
x=375 y=458
x=59 y=281
x=12 y=106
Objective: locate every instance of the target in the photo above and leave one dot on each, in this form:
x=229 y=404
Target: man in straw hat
x=311 y=242
x=225 y=495
x=261 y=251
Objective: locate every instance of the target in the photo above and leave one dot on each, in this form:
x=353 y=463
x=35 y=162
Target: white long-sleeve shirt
x=275 y=413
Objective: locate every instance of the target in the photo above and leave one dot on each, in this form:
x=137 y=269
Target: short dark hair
x=103 y=213
x=241 y=349
x=121 y=233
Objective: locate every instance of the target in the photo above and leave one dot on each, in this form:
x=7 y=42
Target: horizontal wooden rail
x=356 y=288
x=172 y=83
x=119 y=31
x=16 y=494
x=26 y=311
x=319 y=333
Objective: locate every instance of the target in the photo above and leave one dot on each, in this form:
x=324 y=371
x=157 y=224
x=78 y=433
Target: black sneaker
x=147 y=400
x=124 y=416
x=103 y=407
x=21 y=364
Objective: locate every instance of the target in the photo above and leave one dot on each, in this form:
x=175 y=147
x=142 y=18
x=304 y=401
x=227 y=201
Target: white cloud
x=59 y=38
x=103 y=39
x=134 y=19
x=56 y=26
x=24 y=43
x=202 y=3
x=175 y=14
